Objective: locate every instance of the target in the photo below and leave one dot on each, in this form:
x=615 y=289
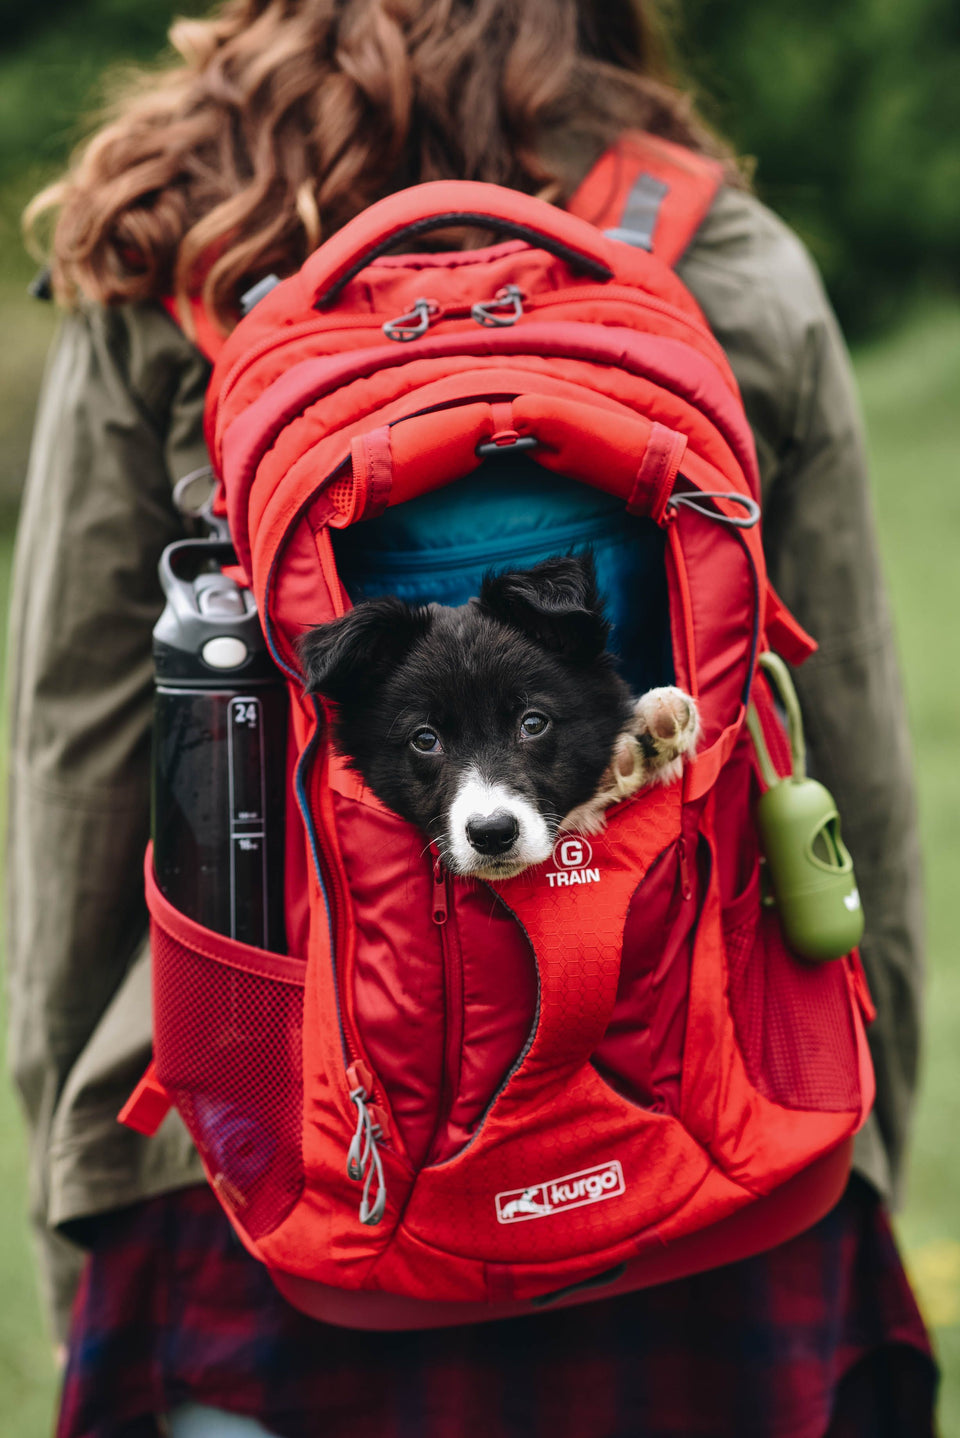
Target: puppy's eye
x=427 y=741
x=532 y=725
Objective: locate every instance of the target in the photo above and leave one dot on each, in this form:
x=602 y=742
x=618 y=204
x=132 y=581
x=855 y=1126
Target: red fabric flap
x=148 y=1105
x=784 y=634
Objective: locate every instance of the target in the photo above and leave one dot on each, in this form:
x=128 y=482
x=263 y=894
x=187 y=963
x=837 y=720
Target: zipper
x=518 y=1061
x=281 y=337
x=619 y=295
x=755 y=638
x=676 y=562
x=622 y=295
x=441 y=906
x=364 y=1164
x=454 y=558
x=686 y=888
x=453 y=999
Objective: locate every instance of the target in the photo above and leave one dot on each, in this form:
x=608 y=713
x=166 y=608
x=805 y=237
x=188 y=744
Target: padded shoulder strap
x=649 y=192
x=206 y=336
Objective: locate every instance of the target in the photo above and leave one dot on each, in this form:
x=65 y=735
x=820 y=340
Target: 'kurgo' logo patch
x=540 y=1200
x=572 y=856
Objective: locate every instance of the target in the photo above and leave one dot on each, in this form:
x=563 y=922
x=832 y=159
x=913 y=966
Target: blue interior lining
x=511 y=513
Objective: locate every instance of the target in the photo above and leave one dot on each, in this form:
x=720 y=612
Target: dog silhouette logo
x=573 y=1190
x=526 y=1206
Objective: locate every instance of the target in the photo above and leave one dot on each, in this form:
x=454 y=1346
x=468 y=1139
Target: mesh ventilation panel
x=227 y=1046
x=342 y=494
x=792 y=1019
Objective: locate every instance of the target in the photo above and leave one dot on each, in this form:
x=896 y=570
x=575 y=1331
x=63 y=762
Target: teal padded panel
x=511 y=513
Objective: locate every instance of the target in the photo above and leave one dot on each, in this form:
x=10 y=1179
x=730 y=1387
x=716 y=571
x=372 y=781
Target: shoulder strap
x=206 y=336
x=650 y=192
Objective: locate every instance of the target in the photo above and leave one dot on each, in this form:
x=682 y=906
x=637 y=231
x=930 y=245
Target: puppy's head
x=484 y=725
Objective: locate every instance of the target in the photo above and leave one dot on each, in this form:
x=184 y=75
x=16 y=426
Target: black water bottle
x=219 y=751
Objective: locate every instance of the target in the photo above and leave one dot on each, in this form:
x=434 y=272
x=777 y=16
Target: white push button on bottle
x=224 y=652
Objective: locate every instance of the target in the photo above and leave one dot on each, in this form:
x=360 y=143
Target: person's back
x=288 y=118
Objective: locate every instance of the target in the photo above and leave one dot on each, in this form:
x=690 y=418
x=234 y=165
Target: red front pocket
x=227 y=1048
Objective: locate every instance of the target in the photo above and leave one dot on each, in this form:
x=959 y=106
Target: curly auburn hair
x=284 y=118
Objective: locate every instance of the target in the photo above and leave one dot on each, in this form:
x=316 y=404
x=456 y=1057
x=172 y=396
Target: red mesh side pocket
x=793 y=1019
x=227 y=1046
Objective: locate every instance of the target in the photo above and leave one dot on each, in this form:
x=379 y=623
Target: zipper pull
x=686 y=888
x=364 y=1163
x=439 y=893
x=413 y=324
x=505 y=308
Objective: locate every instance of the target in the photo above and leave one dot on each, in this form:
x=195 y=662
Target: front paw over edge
x=665 y=728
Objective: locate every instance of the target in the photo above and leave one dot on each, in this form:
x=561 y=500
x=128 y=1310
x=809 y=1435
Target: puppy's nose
x=492 y=833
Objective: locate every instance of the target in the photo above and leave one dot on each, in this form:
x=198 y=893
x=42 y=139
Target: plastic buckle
x=506 y=440
x=505 y=308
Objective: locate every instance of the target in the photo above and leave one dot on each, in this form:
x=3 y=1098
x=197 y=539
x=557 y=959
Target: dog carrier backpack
x=451 y=1100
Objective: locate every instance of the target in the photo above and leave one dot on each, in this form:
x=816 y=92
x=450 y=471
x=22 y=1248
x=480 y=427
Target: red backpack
x=617 y=1074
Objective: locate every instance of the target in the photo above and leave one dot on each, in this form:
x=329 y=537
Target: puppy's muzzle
x=492 y=831
x=492 y=834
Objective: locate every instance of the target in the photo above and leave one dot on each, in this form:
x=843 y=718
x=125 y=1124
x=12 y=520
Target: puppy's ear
x=350 y=656
x=556 y=604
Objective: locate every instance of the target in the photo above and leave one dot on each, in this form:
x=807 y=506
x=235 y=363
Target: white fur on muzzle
x=475 y=799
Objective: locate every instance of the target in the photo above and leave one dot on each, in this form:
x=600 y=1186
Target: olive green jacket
x=119 y=422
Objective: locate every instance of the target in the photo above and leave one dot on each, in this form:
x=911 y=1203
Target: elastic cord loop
x=691 y=498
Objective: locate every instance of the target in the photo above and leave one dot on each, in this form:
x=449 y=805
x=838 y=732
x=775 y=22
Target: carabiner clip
x=505 y=308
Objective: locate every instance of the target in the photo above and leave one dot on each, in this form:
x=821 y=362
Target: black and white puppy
x=496 y=725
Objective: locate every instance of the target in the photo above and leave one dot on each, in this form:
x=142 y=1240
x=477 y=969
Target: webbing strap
x=784 y=633
x=641 y=213
x=201 y=328
x=649 y=192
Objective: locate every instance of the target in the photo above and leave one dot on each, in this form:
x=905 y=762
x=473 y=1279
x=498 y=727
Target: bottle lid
x=210 y=629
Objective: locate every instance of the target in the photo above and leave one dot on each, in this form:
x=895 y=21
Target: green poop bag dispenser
x=810 y=869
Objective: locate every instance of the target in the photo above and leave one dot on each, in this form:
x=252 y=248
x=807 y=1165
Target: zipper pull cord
x=364 y=1162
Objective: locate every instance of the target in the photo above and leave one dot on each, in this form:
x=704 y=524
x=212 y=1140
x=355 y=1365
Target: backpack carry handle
x=439 y=203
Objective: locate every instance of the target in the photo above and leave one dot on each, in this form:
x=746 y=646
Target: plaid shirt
x=819 y=1337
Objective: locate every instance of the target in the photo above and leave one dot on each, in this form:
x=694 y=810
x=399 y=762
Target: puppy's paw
x=666 y=726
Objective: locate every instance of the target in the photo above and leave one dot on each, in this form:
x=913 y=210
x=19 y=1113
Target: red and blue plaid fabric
x=820 y=1338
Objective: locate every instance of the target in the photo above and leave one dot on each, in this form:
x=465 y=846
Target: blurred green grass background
x=855 y=117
